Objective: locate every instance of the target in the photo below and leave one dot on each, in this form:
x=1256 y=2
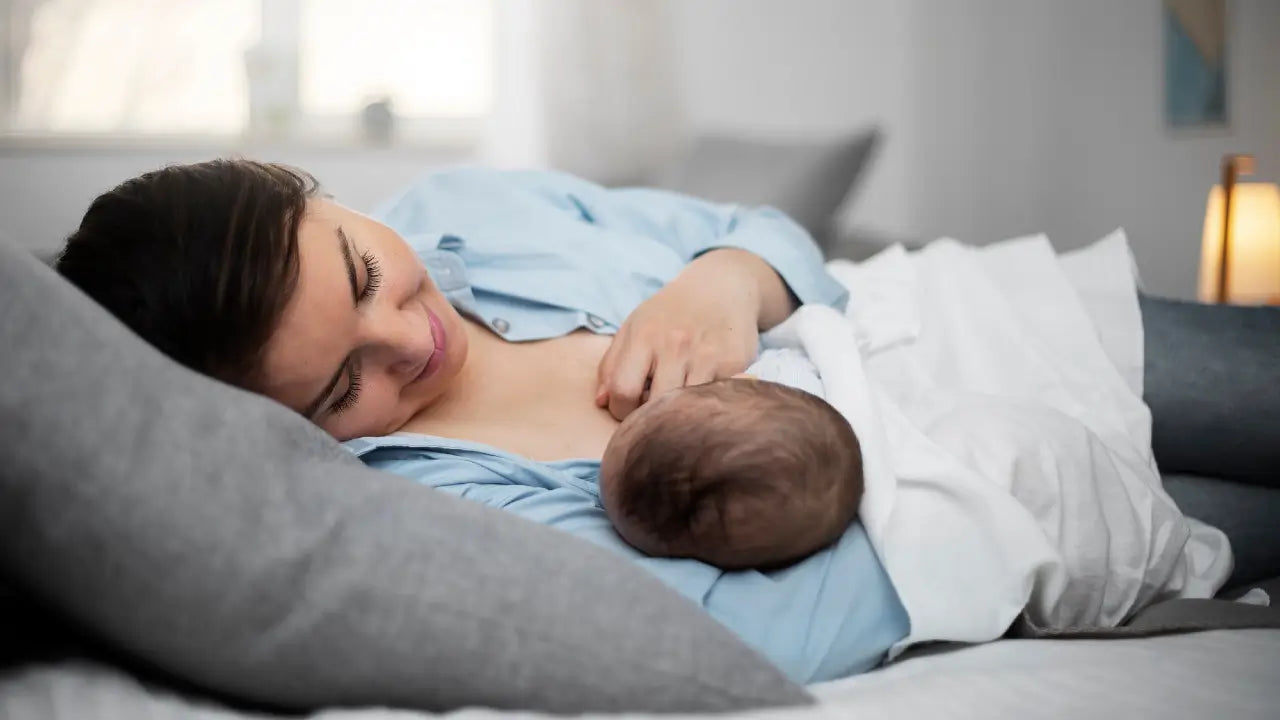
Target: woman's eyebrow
x=344 y=247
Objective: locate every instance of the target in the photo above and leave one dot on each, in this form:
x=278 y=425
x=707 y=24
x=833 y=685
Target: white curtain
x=127 y=66
x=15 y=33
x=585 y=86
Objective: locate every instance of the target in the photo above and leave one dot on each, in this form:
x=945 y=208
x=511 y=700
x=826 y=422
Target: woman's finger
x=605 y=368
x=626 y=384
x=701 y=371
x=609 y=363
x=668 y=374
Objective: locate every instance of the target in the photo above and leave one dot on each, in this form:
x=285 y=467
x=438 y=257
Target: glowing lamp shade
x=1253 y=246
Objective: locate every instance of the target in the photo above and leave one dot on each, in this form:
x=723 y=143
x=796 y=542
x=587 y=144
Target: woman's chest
x=534 y=399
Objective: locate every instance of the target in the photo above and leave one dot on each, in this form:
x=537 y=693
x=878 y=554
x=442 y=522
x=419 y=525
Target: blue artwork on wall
x=1195 y=78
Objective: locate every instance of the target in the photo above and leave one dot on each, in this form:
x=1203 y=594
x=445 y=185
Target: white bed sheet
x=1215 y=674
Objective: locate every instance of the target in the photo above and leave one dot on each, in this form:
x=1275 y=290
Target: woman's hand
x=702 y=326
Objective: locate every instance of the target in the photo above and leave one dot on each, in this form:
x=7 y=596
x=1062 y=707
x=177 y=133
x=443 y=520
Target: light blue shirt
x=538 y=255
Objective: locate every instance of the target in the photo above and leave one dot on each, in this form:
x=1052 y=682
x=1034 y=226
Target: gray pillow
x=1212 y=380
x=808 y=180
x=217 y=536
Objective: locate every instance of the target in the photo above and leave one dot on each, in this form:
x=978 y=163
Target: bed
x=1223 y=673
x=188 y=550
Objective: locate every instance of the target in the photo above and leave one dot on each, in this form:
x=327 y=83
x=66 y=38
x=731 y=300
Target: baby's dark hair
x=199 y=260
x=738 y=473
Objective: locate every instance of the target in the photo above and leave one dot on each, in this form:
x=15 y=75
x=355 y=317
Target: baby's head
x=738 y=473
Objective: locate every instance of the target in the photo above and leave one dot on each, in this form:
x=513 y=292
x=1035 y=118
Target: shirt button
x=595 y=321
x=502 y=326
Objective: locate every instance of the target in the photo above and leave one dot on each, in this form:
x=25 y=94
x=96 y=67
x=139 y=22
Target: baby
x=739 y=473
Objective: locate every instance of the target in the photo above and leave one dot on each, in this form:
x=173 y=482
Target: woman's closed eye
x=372 y=281
x=372 y=269
x=372 y=274
x=351 y=396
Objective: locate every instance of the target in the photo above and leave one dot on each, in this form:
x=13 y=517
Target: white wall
x=794 y=68
x=1003 y=116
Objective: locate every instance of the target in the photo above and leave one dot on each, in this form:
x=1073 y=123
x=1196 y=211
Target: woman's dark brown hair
x=200 y=260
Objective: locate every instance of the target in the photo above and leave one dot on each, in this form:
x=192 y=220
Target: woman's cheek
x=363 y=420
x=337 y=427
x=388 y=412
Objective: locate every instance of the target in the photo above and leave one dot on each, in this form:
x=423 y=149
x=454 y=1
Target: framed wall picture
x=1195 y=67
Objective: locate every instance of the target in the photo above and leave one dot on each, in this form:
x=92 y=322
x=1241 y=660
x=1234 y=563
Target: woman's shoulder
x=468 y=194
x=468 y=179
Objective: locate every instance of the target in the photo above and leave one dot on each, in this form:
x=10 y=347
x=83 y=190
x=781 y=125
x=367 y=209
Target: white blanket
x=996 y=393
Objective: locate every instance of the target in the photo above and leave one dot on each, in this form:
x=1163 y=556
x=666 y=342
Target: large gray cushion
x=217 y=536
x=808 y=180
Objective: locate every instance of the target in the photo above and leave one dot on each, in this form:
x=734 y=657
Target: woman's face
x=366 y=340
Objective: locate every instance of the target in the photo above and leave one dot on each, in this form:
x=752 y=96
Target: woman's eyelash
x=373 y=280
x=350 y=397
x=373 y=273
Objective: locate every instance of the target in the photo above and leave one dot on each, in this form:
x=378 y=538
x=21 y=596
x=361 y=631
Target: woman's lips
x=439 y=339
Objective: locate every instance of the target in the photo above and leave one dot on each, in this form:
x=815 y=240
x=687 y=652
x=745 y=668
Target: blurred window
x=322 y=70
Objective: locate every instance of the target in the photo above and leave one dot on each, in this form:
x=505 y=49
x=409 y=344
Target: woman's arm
x=693 y=228
x=702 y=326
x=746 y=275
x=747 y=269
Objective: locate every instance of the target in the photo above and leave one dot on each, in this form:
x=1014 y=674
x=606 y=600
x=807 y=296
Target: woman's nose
x=403 y=368
x=407 y=344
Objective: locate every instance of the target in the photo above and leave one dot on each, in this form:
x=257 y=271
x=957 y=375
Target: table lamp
x=1240 y=257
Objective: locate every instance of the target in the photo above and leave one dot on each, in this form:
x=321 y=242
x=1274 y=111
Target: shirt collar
x=448 y=271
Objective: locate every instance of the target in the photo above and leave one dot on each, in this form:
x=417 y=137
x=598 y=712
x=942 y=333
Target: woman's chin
x=455 y=351
x=429 y=391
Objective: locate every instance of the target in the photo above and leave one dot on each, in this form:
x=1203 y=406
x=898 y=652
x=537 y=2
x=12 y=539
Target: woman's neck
x=469 y=386
x=535 y=399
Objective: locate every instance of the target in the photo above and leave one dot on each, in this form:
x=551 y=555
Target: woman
x=332 y=313
x=507 y=321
